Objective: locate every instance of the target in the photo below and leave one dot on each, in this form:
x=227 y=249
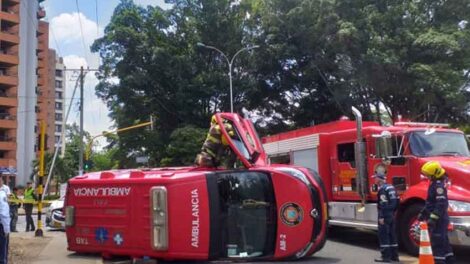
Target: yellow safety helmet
x=213 y=120
x=230 y=132
x=432 y=169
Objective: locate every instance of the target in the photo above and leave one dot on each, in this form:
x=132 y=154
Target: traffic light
x=87 y=165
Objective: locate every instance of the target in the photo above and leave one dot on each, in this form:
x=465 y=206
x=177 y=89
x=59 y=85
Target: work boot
x=382 y=260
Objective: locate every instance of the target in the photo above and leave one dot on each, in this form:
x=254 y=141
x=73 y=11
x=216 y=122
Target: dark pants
x=388 y=240
x=14 y=217
x=4 y=241
x=28 y=208
x=441 y=248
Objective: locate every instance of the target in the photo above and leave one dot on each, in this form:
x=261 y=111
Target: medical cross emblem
x=118 y=239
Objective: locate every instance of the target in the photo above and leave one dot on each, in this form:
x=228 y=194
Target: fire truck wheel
x=409 y=229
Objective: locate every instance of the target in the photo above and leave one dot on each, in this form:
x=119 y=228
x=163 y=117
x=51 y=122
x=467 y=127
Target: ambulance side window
x=346 y=153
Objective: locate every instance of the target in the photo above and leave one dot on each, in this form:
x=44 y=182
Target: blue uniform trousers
x=440 y=245
x=388 y=239
x=4 y=240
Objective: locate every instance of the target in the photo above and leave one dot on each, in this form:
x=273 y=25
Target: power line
x=81 y=32
x=55 y=41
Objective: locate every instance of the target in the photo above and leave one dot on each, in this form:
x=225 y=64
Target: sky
x=72 y=30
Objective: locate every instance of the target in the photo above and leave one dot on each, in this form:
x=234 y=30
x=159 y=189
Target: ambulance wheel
x=409 y=229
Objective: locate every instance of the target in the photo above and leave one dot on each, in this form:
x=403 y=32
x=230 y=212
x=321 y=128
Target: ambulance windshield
x=246 y=214
x=425 y=144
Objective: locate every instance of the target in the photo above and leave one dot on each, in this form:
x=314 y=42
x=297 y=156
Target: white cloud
x=160 y=3
x=67 y=28
x=66 y=31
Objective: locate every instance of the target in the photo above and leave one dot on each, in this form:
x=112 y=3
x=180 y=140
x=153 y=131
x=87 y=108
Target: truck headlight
x=457 y=206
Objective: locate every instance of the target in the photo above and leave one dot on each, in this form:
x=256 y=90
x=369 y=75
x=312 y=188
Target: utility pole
x=42 y=139
x=80 y=166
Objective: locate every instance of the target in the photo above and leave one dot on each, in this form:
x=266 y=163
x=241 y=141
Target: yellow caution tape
x=28 y=201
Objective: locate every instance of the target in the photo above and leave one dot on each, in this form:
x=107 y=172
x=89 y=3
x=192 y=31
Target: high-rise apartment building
x=57 y=71
x=27 y=87
x=10 y=32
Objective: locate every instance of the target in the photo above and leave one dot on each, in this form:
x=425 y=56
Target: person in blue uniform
x=4 y=227
x=387 y=204
x=435 y=212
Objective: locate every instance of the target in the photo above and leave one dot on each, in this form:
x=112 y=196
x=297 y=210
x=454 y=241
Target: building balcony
x=7 y=121
x=14 y=18
x=11 y=38
x=42 y=72
x=8 y=101
x=7 y=143
x=8 y=59
x=8 y=80
x=8 y=162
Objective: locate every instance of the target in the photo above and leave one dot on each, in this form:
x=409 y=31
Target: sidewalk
x=51 y=248
x=56 y=252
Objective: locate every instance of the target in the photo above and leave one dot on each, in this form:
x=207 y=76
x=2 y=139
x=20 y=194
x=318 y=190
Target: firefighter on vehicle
x=435 y=212
x=387 y=205
x=215 y=147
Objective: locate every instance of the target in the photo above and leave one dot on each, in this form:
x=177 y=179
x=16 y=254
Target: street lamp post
x=230 y=63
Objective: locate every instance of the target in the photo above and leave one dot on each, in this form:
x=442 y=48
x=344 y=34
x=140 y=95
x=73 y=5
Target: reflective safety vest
x=29 y=194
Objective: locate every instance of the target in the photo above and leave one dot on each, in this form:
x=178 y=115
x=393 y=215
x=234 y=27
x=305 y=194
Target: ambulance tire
x=407 y=217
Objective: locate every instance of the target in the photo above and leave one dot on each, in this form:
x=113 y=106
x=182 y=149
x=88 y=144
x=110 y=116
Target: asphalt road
x=344 y=245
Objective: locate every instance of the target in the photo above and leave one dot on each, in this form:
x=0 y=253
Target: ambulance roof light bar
x=421 y=124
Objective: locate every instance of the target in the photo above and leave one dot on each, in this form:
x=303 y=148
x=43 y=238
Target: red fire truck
x=347 y=153
x=245 y=212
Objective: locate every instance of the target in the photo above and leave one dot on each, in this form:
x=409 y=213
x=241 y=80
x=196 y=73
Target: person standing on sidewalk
x=14 y=205
x=29 y=198
x=387 y=205
x=4 y=227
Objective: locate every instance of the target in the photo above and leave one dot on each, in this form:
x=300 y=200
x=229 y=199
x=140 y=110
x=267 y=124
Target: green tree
x=317 y=58
x=103 y=160
x=184 y=145
x=161 y=71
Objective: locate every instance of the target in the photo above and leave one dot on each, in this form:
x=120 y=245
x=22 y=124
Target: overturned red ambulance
x=255 y=211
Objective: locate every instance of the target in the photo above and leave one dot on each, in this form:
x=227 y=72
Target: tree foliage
x=316 y=59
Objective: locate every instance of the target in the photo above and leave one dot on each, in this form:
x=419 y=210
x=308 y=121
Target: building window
x=58 y=73
x=58 y=128
x=58 y=95
x=58 y=106
x=58 y=117
x=58 y=84
x=57 y=139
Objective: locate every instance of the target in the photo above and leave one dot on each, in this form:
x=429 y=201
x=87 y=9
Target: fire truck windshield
x=438 y=144
x=246 y=214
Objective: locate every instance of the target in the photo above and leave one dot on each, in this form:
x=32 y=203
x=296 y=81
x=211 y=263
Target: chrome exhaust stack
x=362 y=182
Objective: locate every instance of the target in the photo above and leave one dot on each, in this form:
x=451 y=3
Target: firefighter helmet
x=230 y=132
x=433 y=169
x=213 y=120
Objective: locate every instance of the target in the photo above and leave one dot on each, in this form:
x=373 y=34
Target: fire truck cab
x=347 y=153
x=198 y=213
